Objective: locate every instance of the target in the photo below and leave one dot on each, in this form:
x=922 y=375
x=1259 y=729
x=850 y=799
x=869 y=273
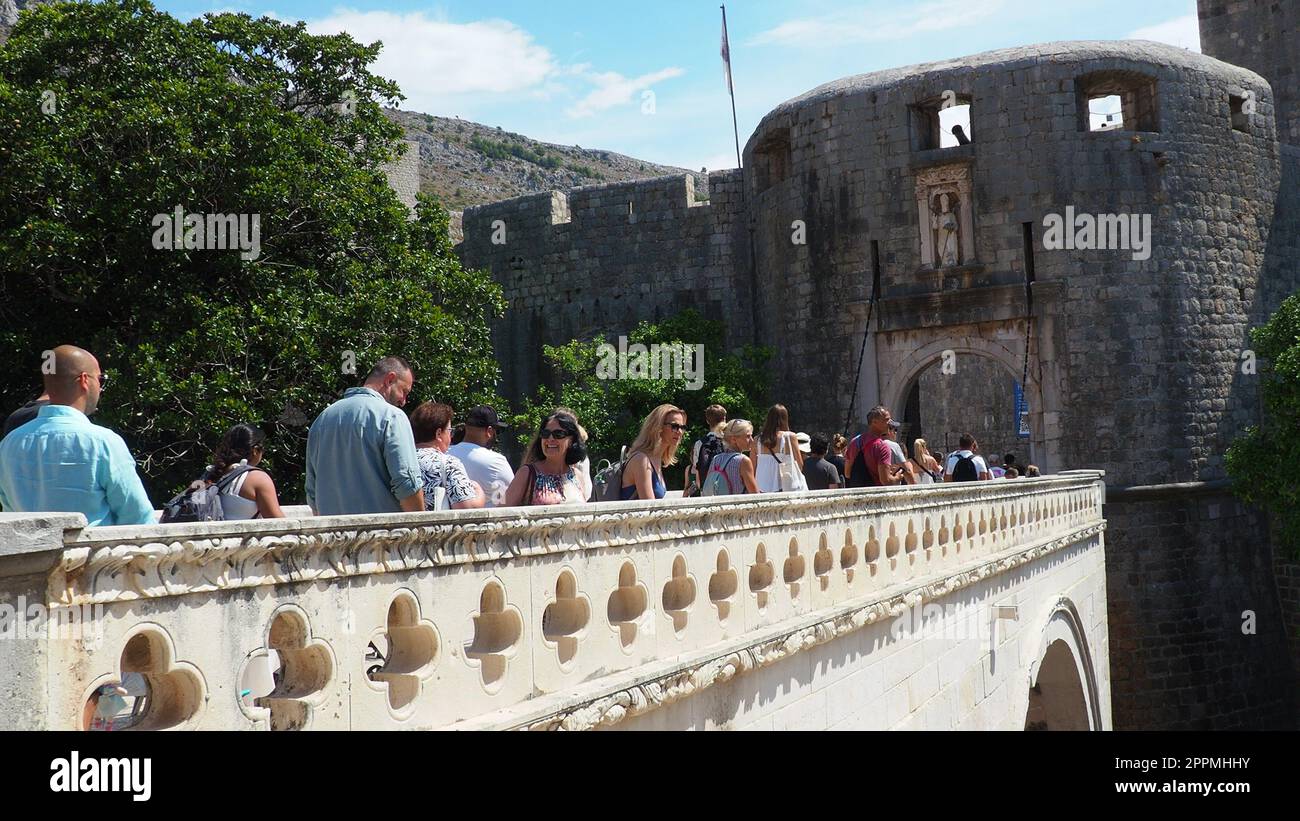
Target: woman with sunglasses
x=548 y=475
x=655 y=448
x=582 y=470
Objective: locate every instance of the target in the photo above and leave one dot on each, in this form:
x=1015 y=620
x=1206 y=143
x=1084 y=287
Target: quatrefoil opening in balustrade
x=498 y=629
x=793 y=569
x=565 y=620
x=289 y=674
x=849 y=557
x=627 y=605
x=723 y=585
x=892 y=544
x=823 y=563
x=150 y=691
x=679 y=595
x=404 y=654
x=761 y=575
x=872 y=550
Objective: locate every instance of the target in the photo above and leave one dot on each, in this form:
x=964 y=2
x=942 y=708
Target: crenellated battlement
x=616 y=254
x=535 y=218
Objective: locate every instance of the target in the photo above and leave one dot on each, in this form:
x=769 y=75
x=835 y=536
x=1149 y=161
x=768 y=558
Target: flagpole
x=731 y=86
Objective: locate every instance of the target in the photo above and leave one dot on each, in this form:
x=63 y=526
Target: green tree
x=612 y=409
x=113 y=113
x=1262 y=460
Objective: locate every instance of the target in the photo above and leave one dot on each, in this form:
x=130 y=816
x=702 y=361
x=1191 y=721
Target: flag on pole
x=726 y=54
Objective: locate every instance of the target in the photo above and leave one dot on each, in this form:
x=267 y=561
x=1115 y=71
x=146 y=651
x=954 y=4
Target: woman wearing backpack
x=655 y=448
x=705 y=448
x=732 y=471
x=775 y=450
x=927 y=468
x=251 y=494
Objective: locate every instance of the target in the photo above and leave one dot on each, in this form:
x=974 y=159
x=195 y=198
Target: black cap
x=895 y=424
x=484 y=416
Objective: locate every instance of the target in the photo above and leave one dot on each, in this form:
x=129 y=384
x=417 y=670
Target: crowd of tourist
x=366 y=455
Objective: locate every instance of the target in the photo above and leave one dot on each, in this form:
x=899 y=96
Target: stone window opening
x=1117 y=101
x=1105 y=113
x=772 y=160
x=942 y=122
x=954 y=126
x=1240 y=117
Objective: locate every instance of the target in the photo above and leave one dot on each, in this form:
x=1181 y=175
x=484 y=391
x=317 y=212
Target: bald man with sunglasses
x=62 y=462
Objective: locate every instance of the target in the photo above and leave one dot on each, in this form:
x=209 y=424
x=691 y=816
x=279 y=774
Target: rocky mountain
x=465 y=163
x=9 y=14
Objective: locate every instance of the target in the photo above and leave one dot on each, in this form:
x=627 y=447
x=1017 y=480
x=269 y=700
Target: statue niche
x=946 y=230
x=946 y=222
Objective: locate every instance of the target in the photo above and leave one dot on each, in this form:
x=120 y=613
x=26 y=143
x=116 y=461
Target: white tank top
x=234 y=506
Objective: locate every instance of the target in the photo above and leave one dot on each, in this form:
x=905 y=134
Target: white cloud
x=442 y=66
x=1184 y=32
x=435 y=60
x=867 y=25
x=613 y=89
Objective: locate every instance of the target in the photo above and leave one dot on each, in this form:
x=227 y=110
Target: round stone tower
x=1103 y=211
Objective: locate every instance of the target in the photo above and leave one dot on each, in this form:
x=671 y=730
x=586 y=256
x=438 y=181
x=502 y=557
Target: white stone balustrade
x=573 y=616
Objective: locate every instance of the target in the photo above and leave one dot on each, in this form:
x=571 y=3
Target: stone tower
x=1263 y=36
x=1133 y=346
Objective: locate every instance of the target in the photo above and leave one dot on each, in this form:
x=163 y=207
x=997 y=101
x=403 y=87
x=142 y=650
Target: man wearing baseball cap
x=483 y=464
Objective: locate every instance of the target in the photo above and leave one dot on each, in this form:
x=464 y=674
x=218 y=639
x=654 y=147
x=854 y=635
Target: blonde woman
x=734 y=462
x=927 y=469
x=655 y=448
x=776 y=445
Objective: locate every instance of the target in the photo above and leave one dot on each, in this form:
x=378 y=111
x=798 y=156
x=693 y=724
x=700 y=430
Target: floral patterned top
x=442 y=470
x=556 y=488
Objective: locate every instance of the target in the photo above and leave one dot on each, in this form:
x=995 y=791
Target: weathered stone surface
x=582 y=616
x=1133 y=363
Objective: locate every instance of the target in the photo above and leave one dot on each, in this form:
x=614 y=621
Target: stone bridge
x=975 y=606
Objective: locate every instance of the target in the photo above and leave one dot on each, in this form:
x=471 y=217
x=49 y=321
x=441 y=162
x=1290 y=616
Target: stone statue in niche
x=945 y=217
x=947 y=230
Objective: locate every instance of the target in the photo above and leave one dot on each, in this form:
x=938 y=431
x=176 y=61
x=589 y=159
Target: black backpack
x=964 y=470
x=711 y=445
x=201 y=501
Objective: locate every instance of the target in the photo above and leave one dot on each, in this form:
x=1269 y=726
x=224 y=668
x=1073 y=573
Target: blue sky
x=577 y=73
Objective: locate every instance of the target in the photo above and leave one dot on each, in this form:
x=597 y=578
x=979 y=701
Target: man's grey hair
x=387 y=365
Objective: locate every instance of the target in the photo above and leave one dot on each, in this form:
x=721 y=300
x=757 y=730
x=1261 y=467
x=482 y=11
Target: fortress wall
x=1137 y=359
x=1263 y=36
x=600 y=259
x=1112 y=341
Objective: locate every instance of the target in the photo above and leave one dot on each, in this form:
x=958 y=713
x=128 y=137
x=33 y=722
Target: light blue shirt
x=361 y=457
x=62 y=462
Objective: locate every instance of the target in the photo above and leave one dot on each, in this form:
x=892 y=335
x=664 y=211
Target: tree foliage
x=219 y=115
x=1262 y=461
x=612 y=410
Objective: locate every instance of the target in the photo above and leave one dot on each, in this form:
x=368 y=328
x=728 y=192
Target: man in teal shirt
x=61 y=462
x=361 y=452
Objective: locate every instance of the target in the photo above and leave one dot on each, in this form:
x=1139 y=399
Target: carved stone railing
x=573 y=616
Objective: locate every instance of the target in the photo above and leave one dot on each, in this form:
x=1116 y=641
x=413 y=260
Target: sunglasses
x=675 y=426
x=555 y=434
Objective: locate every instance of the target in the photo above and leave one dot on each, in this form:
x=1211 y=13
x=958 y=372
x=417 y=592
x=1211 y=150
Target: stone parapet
x=565 y=617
